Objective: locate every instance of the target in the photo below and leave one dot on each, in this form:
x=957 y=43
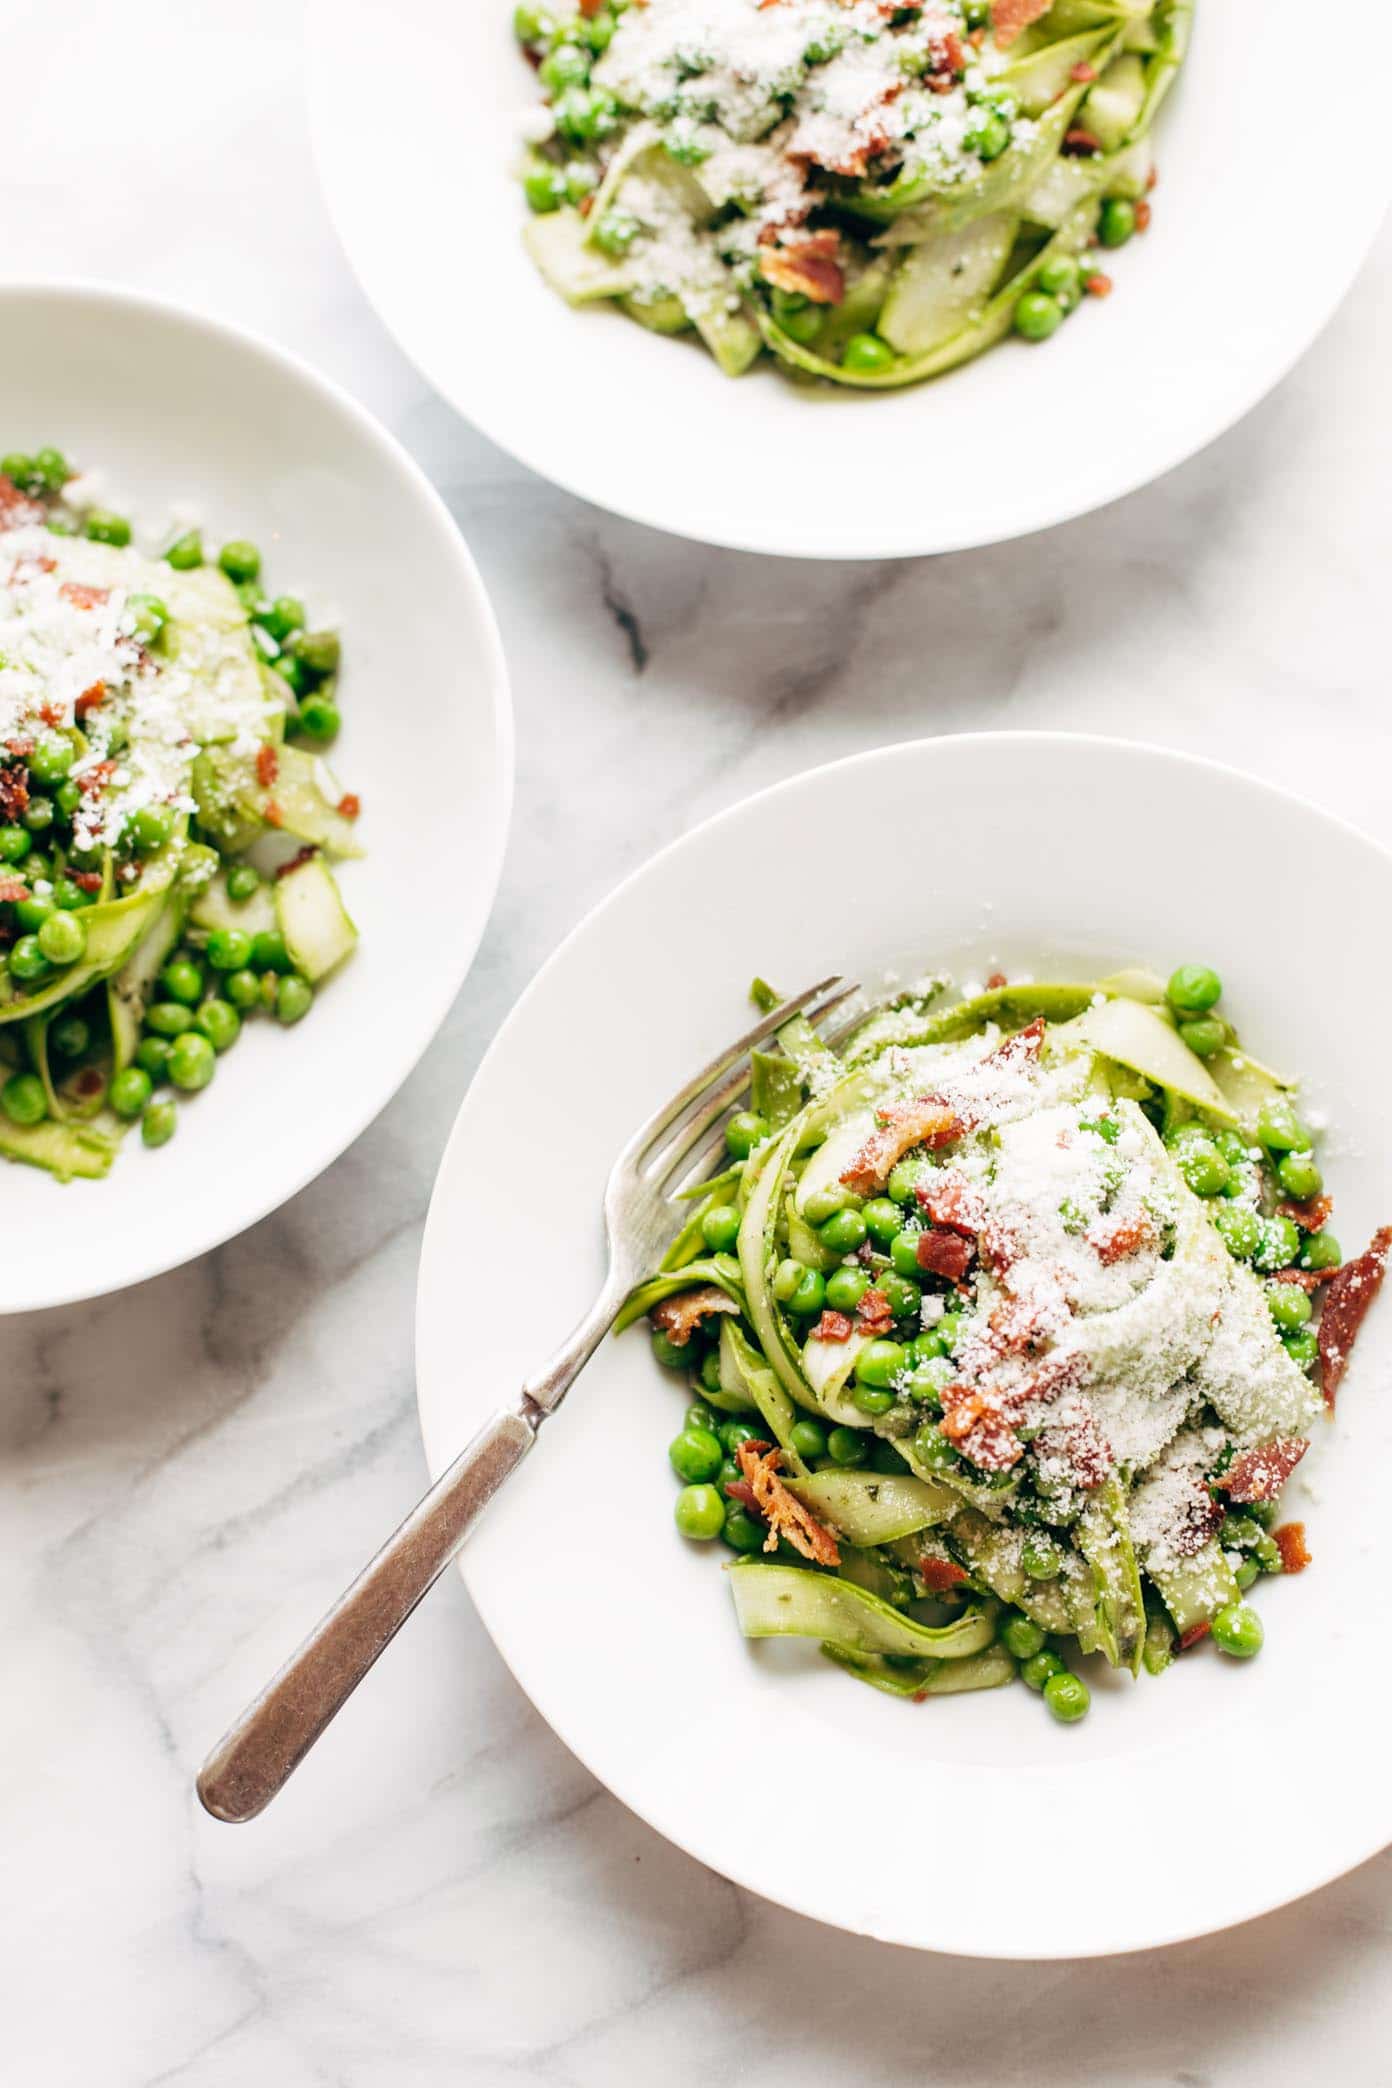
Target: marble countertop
x=189 y=1472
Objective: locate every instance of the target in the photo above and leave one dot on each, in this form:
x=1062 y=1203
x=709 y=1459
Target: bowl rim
x=1106 y=488
x=441 y=1446
x=96 y=292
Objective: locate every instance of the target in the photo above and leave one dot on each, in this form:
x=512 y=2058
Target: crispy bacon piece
x=1308 y=1279
x=785 y=1514
x=16 y=508
x=12 y=888
x=1259 y=1475
x=873 y=1315
x=301 y=855
x=938 y=1575
x=1144 y=214
x=833 y=1326
x=927 y=1120
x=85 y=880
x=21 y=748
x=1009 y=17
x=1115 y=1243
x=809 y=269
x=349 y=805
x=1192 y=1636
x=93 y=781
x=979 y=1429
x=82 y=596
x=14 y=793
x=1289 y=1540
x=273 y=815
x=26 y=569
x=1351 y=1291
x=267 y=765
x=952 y=1202
x=1081 y=143
x=50 y=712
x=1098 y=284
x=92 y=698
x=1310 y=1217
x=945 y=1253
x=1083 y=73
x=679 y=1316
x=995 y=982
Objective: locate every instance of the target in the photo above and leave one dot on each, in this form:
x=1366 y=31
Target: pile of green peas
x=306 y=661
x=1238 y=1174
x=1065 y=1694
x=566 y=48
x=1061 y=281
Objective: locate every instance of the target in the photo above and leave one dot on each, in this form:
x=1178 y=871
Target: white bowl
x=175 y=410
x=1259 y=227
x=969 y=1824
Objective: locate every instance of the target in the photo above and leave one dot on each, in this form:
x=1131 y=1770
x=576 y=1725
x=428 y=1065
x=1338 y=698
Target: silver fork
x=672 y=1152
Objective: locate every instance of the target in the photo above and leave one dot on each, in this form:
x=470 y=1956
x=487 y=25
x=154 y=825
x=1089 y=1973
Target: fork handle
x=262 y=1749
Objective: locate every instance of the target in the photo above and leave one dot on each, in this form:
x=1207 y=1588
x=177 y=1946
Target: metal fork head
x=680 y=1141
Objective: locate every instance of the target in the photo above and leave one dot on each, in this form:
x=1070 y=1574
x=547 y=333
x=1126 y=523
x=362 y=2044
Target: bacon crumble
x=832 y=1326
x=267 y=765
x=1289 y=1540
x=785 y=1514
x=1351 y=1291
x=679 y=1316
x=928 y=1121
x=1010 y=17
x=1260 y=1474
x=945 y=1253
x=809 y=269
x=938 y=1575
x=1312 y=1216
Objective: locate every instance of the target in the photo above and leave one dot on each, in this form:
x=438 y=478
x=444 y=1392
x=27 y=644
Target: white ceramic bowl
x=178 y=411
x=971 y=1824
x=1259 y=228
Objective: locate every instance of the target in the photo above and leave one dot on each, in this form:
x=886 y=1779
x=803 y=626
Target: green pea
x=905 y=1178
x=17 y=468
x=825 y=1203
x=866 y=353
x=585 y=114
x=51 y=759
x=843 y=1232
x=1040 y=1558
x=130 y=1091
x=268 y=951
x=15 y=844
x=932 y=1448
x=845 y=1288
x=169 y=1018
x=1289 y=1306
x=802 y=326
x=883 y=1219
x=847 y=1446
x=294 y=672
x=228 y=949
x=903 y=1296
x=729 y=1475
x=1060 y=277
x=1193 y=989
x=63 y=938
x=320 y=651
x=1204 y=1036
x=872 y=1399
x=51 y=468
x=33 y=911
x=1302 y=1347
x=192 y=1061
x=240 y=561
x=1280 y=1130
x=1278 y=1245
x=1037 y=316
x=699 y=1513
x=597 y=29
x=709 y=1373
x=544 y=186
x=566 y=66
x=182 y=980
x=149 y=616
x=102 y=527
x=22 y=1097
x=70 y=1037
x=720 y=1227
x=669 y=1354
x=809 y=1440
x=242 y=880
x=152 y=1056
x=1321 y=1251
x=319 y=720
x=580 y=181
x=1068 y=1697
x=786 y=1278
x=1246 y=1574
x=699 y=1415
x=929 y=1379
x=1040 y=1669
x=159 y=1123
x=27 y=960
x=1203 y=1167
x=744 y=1131
x=810 y=1295
x=186 y=552
x=1117 y=222
x=1237 y=1631
x=1299 y=1176
x=927 y=1344
x=741 y=1532
x=987 y=135
x=38 y=815
x=294 y=997
x=949 y=1327
x=736 y=1431
x=1241 y=1228
x=149 y=828
x=695 y=1456
x=71 y=897
x=532 y=25
x=878 y=1364
x=903 y=1251
x=1021 y=1637
x=219 y=1022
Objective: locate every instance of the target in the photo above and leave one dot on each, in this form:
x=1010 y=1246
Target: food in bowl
x=1006 y=1325
x=166 y=817
x=873 y=195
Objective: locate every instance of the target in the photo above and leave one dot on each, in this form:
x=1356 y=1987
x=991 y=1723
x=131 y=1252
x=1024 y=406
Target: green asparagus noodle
x=1104 y=1539
x=775 y=1091
x=907 y=197
x=1013 y=1007
x=794 y=1602
x=745 y=1376
x=1158 y=1651
x=991 y=1554
x=721 y=1185
x=1197 y=1588
x=875 y=1508
x=719 y=1269
x=64 y=1150
x=991 y=1669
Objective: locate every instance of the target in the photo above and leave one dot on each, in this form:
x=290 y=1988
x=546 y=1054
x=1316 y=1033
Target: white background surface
x=190 y=1471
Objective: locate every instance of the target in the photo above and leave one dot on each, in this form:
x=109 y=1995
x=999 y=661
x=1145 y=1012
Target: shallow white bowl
x=1260 y=224
x=971 y=1824
x=179 y=412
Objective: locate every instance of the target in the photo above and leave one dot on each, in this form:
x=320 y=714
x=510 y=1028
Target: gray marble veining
x=189 y=1471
